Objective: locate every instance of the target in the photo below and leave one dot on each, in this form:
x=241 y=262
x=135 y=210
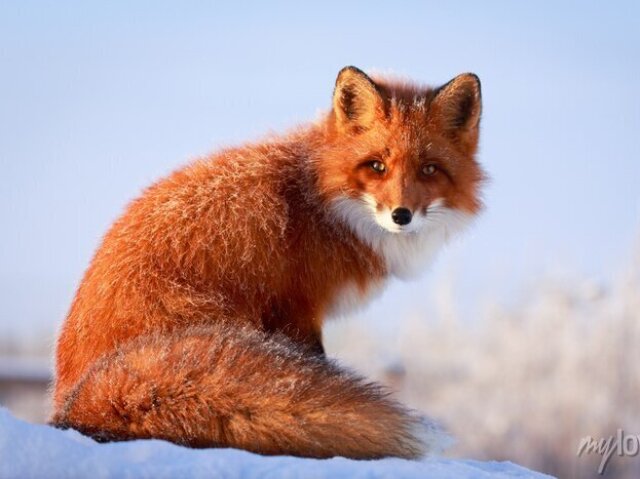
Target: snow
x=39 y=451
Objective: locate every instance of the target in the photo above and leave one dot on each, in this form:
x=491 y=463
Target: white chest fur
x=408 y=254
x=352 y=298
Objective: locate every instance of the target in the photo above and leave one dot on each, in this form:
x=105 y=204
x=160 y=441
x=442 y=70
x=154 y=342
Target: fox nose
x=401 y=216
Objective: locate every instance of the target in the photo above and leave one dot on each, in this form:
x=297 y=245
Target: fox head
x=400 y=164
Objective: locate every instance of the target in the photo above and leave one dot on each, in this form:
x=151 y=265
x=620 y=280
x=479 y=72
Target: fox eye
x=429 y=169
x=378 y=166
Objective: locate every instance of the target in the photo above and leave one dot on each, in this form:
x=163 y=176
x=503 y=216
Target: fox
x=199 y=319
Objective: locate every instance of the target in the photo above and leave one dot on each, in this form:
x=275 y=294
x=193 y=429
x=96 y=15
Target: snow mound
x=38 y=451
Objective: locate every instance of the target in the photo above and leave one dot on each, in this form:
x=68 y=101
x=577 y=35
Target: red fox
x=199 y=320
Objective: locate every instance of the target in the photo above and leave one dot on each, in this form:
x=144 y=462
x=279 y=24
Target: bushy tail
x=226 y=386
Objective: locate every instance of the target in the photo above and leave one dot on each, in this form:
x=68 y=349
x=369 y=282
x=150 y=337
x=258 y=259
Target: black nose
x=401 y=216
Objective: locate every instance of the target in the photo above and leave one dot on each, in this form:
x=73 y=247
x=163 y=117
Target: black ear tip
x=350 y=70
x=472 y=78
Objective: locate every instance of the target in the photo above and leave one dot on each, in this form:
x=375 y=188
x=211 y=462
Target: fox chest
x=352 y=297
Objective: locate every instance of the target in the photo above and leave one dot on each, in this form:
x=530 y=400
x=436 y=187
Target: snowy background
x=522 y=338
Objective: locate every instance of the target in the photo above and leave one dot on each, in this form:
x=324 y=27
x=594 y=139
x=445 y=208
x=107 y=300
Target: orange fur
x=205 y=386
x=199 y=319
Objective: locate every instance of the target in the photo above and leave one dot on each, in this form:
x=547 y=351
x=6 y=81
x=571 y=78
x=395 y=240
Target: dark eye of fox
x=378 y=166
x=429 y=170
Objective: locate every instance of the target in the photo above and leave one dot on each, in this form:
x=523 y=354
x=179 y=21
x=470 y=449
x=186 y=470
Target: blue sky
x=98 y=99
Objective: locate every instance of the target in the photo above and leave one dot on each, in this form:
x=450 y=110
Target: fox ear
x=458 y=104
x=357 y=103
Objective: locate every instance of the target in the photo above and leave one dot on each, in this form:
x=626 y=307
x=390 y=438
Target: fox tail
x=230 y=386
